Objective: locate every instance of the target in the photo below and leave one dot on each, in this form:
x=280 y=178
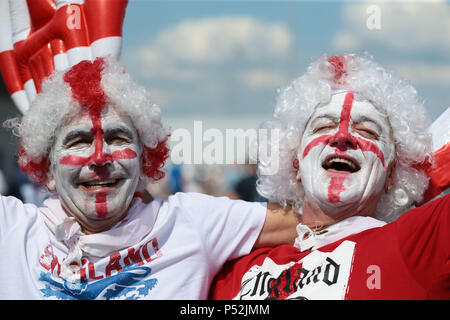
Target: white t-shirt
x=184 y=241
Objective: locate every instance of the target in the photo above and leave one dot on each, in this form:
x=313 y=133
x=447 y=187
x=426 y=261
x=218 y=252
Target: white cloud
x=404 y=26
x=262 y=78
x=215 y=40
x=221 y=38
x=213 y=63
x=161 y=96
x=424 y=74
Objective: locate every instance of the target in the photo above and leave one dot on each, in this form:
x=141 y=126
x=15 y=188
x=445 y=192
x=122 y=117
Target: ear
x=50 y=184
x=390 y=180
x=296 y=166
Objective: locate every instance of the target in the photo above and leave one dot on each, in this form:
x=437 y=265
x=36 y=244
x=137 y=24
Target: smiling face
x=345 y=155
x=95 y=167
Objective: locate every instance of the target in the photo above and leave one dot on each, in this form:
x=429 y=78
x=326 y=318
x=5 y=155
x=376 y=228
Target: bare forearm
x=279 y=226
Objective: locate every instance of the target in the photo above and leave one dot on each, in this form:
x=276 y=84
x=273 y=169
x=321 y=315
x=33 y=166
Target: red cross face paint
x=345 y=152
x=95 y=166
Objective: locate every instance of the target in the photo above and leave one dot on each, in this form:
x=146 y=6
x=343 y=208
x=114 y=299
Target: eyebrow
x=119 y=129
x=75 y=134
x=356 y=119
x=363 y=118
x=323 y=116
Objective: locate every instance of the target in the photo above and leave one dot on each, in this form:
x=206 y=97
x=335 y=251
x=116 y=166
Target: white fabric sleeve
x=228 y=228
x=15 y=216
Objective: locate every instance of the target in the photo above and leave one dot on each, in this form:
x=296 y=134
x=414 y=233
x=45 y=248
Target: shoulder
x=191 y=204
x=13 y=206
x=437 y=205
x=431 y=212
x=188 y=198
x=213 y=213
x=15 y=215
x=192 y=201
x=186 y=202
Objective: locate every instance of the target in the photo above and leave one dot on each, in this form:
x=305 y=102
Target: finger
x=59 y=55
x=30 y=89
x=36 y=71
x=72 y=26
x=41 y=12
x=47 y=60
x=78 y=54
x=107 y=46
x=8 y=64
x=5 y=27
x=21 y=27
x=439 y=174
x=20 y=20
x=62 y=3
x=440 y=130
x=105 y=21
x=439 y=170
x=41 y=65
x=20 y=99
x=13 y=81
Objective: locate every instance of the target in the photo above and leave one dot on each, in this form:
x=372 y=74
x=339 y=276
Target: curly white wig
x=392 y=96
x=89 y=84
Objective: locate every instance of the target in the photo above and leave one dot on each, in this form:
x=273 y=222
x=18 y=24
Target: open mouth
x=97 y=184
x=340 y=163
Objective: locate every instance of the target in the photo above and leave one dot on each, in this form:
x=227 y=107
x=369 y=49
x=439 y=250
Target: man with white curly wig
x=95 y=139
x=353 y=141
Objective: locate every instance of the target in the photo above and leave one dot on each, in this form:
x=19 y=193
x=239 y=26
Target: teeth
x=92 y=184
x=340 y=160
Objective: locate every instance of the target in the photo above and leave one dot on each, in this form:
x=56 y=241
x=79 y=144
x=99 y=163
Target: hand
x=439 y=173
x=38 y=37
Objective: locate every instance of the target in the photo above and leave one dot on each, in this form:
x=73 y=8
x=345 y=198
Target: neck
x=317 y=217
x=91 y=226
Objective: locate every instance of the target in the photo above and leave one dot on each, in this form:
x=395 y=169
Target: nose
x=99 y=164
x=343 y=140
x=100 y=157
x=101 y=167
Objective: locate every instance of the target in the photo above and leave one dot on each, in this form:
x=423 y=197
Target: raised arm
x=40 y=36
x=279 y=226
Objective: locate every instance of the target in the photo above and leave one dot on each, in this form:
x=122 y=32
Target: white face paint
x=95 y=167
x=345 y=153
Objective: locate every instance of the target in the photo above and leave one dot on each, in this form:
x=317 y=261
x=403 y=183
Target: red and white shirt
x=405 y=259
x=167 y=249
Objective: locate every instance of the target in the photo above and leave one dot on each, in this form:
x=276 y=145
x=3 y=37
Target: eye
x=366 y=132
x=78 y=142
x=324 y=127
x=117 y=139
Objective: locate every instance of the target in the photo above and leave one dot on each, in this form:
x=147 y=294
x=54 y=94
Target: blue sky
x=228 y=58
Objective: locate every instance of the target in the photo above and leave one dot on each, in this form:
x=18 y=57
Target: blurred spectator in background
x=26 y=190
x=3 y=184
x=176 y=179
x=245 y=189
x=234 y=181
